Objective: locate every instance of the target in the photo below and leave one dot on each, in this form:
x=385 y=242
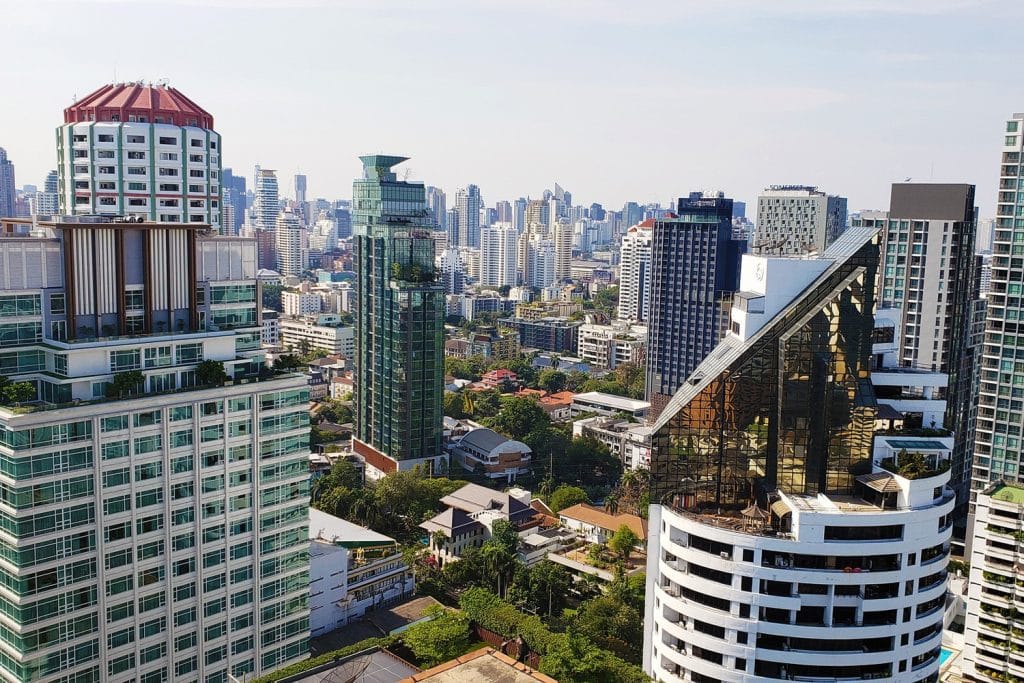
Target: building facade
x=498 y=257
x=291 y=244
x=694 y=273
x=266 y=203
x=1000 y=411
x=352 y=571
x=7 y=192
x=608 y=346
x=780 y=548
x=635 y=273
x=989 y=651
x=157 y=520
x=140 y=150
x=795 y=219
x=467 y=206
x=399 y=322
x=319 y=332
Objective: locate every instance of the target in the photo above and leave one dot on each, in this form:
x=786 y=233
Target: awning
x=883 y=482
x=779 y=508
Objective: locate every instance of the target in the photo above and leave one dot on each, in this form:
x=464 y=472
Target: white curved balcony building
x=846 y=589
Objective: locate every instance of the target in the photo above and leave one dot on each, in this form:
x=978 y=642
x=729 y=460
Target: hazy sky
x=614 y=99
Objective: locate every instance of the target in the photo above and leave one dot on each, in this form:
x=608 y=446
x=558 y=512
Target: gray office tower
x=234 y=187
x=695 y=270
x=794 y=220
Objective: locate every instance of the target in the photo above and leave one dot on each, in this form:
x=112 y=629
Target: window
x=186 y=616
x=168 y=140
x=158 y=357
x=146 y=419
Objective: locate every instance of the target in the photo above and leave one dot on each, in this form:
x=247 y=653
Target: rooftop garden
x=915 y=465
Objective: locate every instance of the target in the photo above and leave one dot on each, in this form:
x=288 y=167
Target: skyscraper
x=437 y=206
x=498 y=256
x=291 y=243
x=796 y=219
x=467 y=205
x=300 y=188
x=929 y=282
x=997 y=446
x=141 y=150
x=519 y=214
x=169 y=509
x=266 y=202
x=632 y=213
x=694 y=272
x=781 y=547
x=7 y=193
x=503 y=211
x=452 y=227
x=562 y=234
x=233 y=189
x=399 y=323
x=46 y=202
x=635 y=273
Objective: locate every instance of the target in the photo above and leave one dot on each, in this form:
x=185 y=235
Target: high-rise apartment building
x=399 y=322
x=437 y=206
x=519 y=214
x=1000 y=405
x=147 y=151
x=7 y=192
x=926 y=296
x=498 y=256
x=453 y=271
x=468 y=205
x=540 y=263
x=233 y=191
x=503 y=212
x=291 y=243
x=635 y=273
x=781 y=547
x=562 y=236
x=163 y=512
x=452 y=227
x=266 y=200
x=796 y=219
x=990 y=652
x=46 y=202
x=695 y=265
x=300 y=188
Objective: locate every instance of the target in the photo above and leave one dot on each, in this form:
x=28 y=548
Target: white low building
x=608 y=346
x=300 y=303
x=628 y=441
x=324 y=332
x=270 y=330
x=607 y=404
x=352 y=570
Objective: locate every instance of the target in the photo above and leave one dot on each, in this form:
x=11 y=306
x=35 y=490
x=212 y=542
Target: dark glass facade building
x=695 y=267
x=789 y=408
x=399 y=320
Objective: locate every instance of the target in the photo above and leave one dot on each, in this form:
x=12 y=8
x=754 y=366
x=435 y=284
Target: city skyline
x=808 y=113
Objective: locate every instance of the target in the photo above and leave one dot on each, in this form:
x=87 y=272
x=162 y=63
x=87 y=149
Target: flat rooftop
x=1008 y=494
x=334 y=530
x=611 y=400
x=485 y=664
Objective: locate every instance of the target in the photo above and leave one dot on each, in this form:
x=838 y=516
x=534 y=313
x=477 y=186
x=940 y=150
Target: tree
x=18 y=392
x=211 y=373
x=551 y=381
x=623 y=541
x=549 y=585
x=272 y=297
x=567 y=496
x=500 y=562
x=444 y=637
x=518 y=417
x=126 y=383
x=611 y=625
x=572 y=660
x=454 y=405
x=336 y=411
x=287 y=361
x=504 y=533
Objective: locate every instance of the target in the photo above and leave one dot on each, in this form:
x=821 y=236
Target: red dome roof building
x=134 y=149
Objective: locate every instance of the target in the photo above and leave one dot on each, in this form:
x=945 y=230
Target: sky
x=616 y=100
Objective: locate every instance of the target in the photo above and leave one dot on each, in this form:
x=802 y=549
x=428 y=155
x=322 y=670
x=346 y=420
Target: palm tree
x=497 y=560
x=611 y=503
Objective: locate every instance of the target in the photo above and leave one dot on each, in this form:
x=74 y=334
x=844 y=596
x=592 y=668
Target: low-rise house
x=497 y=456
x=352 y=570
x=535 y=546
x=495 y=379
x=472 y=511
x=597 y=526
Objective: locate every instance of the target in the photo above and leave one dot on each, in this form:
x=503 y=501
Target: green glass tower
x=399 y=323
